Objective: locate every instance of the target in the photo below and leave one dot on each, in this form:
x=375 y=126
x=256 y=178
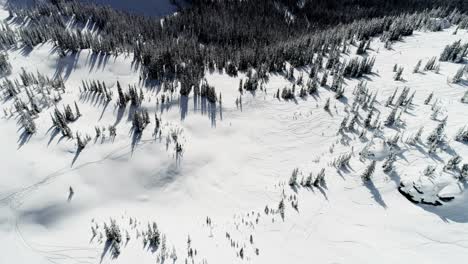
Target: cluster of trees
x=459 y=74
x=342 y=161
x=132 y=96
x=231 y=35
x=437 y=136
x=40 y=91
x=309 y=181
x=152 y=237
x=207 y=91
x=454 y=52
x=113 y=237
x=96 y=87
x=7 y=36
x=356 y=67
x=60 y=121
x=140 y=120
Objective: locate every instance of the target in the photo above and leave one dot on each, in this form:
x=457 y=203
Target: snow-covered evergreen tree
x=369 y=171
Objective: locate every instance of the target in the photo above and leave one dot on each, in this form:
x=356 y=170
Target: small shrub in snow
x=391 y=117
x=287 y=94
x=459 y=74
x=416 y=68
x=429 y=98
x=398 y=74
x=429 y=171
x=140 y=120
x=320 y=179
x=438 y=133
x=464 y=172
x=393 y=140
x=5 y=66
x=326 y=107
x=462 y=135
x=388 y=163
x=293 y=179
x=453 y=163
x=430 y=64
x=281 y=208
x=465 y=98
x=28 y=123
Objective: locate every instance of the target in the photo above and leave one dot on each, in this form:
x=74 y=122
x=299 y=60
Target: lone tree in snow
x=369 y=171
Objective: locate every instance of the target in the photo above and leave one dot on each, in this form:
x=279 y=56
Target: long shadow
x=220 y=111
x=203 y=106
x=183 y=105
x=454 y=211
x=120 y=114
x=97 y=61
x=375 y=193
x=26 y=50
x=54 y=133
x=104 y=109
x=106 y=249
x=322 y=192
x=70 y=197
x=77 y=154
x=136 y=137
x=195 y=103
x=66 y=65
x=23 y=138
x=395 y=177
x=212 y=113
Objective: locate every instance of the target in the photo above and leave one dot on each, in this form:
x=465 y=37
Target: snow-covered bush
x=5 y=66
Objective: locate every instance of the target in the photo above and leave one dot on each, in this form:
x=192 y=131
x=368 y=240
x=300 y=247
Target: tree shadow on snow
x=375 y=193
x=77 y=154
x=451 y=211
x=107 y=248
x=183 y=106
x=65 y=65
x=23 y=138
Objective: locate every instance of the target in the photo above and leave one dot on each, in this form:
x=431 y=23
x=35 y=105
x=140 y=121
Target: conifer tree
x=369 y=171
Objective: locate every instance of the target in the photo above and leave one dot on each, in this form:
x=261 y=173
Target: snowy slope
x=237 y=159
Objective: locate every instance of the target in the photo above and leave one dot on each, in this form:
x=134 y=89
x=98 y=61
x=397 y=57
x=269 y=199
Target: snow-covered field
x=237 y=159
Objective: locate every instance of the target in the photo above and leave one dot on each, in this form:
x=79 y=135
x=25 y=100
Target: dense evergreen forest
x=231 y=34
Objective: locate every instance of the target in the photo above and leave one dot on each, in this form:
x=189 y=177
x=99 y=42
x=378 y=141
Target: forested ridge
x=233 y=35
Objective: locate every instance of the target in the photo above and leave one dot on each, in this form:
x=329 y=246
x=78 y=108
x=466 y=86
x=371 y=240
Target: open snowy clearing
x=237 y=158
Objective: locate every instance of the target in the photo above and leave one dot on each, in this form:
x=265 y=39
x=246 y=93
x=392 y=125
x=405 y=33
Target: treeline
x=230 y=34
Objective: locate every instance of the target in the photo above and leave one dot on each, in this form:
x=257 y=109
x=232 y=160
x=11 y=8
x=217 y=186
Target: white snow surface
x=236 y=161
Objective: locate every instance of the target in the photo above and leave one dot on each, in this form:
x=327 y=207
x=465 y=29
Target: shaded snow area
x=239 y=180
